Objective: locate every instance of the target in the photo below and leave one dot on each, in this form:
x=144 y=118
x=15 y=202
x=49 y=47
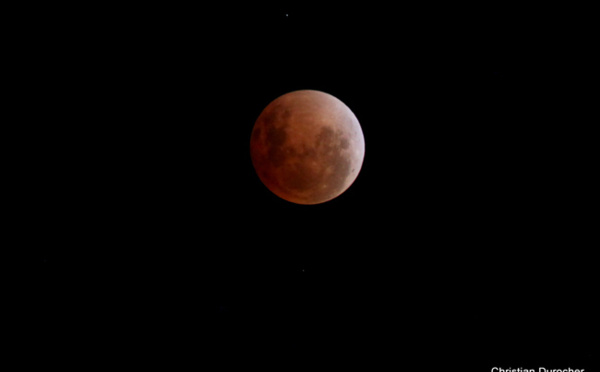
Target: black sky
x=462 y=238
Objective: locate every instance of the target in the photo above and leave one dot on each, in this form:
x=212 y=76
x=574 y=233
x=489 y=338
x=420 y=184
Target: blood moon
x=307 y=147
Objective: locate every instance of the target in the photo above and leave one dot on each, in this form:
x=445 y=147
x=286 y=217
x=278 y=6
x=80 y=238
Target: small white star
x=287 y=15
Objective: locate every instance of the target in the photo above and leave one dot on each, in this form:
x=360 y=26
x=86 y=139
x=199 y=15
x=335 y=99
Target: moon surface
x=307 y=147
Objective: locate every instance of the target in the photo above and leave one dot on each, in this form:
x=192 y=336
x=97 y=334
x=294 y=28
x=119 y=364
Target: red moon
x=307 y=147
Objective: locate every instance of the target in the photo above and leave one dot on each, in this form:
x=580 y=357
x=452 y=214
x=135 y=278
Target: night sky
x=461 y=242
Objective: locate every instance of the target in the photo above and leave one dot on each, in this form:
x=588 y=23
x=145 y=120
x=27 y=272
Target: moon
x=307 y=147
